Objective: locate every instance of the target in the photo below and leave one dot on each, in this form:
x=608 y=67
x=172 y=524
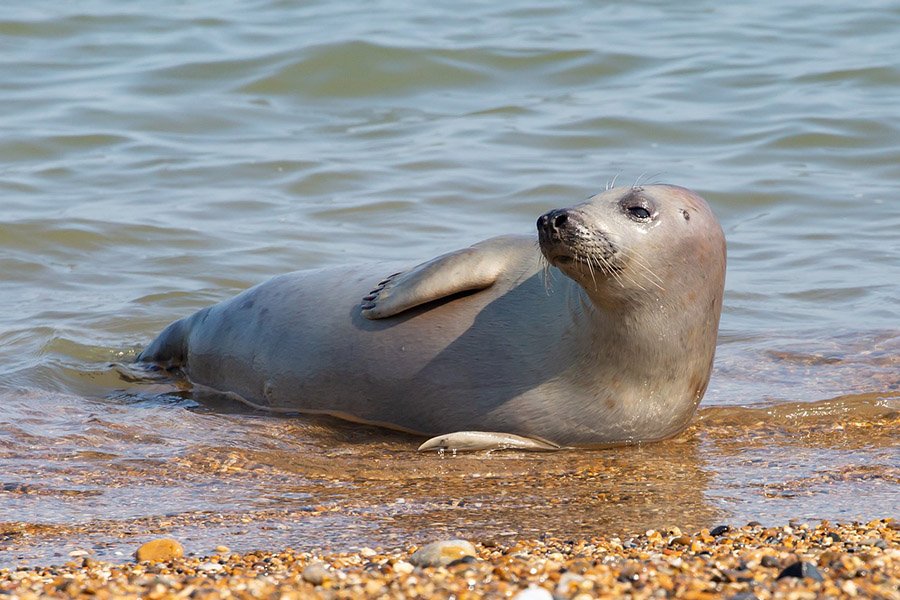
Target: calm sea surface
x=159 y=157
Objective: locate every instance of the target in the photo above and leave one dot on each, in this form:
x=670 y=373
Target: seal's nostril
x=560 y=220
x=553 y=220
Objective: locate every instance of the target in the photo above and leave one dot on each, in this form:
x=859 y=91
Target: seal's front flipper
x=486 y=440
x=469 y=269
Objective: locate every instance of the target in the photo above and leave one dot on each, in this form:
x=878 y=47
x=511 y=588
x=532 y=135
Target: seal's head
x=651 y=261
x=636 y=245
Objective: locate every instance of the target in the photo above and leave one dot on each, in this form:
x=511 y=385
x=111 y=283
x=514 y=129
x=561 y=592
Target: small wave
x=360 y=69
x=867 y=407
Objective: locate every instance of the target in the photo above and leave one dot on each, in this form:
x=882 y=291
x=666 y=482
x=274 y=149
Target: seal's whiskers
x=645 y=270
x=605 y=266
x=591 y=271
x=611 y=184
x=546 y=274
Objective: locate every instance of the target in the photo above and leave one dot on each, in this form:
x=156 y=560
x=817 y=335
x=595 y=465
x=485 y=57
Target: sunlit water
x=156 y=158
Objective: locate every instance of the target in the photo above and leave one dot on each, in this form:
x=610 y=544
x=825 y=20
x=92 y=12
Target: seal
x=602 y=333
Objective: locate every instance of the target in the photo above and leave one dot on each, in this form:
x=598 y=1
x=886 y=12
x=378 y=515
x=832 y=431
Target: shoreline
x=752 y=561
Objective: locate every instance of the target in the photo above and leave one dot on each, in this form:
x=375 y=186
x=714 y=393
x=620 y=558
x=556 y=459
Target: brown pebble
x=159 y=550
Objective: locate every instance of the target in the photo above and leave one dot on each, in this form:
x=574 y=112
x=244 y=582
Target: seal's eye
x=638 y=213
x=638 y=207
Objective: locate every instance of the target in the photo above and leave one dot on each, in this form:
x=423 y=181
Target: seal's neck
x=646 y=363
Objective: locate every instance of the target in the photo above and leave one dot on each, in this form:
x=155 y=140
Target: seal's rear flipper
x=169 y=348
x=486 y=440
x=466 y=270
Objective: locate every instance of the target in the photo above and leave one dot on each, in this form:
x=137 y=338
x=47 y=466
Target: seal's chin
x=556 y=254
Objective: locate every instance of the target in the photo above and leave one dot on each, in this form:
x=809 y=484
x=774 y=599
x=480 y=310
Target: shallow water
x=156 y=159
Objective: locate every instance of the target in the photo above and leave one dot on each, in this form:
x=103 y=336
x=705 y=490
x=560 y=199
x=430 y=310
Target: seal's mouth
x=558 y=257
x=592 y=264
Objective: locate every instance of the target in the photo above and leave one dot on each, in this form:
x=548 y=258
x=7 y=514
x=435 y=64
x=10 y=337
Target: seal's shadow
x=511 y=347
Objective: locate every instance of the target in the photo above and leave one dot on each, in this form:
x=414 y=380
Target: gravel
x=753 y=561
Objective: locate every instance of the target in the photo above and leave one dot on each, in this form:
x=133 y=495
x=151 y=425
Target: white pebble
x=441 y=554
x=315 y=573
x=569 y=585
x=533 y=592
x=403 y=567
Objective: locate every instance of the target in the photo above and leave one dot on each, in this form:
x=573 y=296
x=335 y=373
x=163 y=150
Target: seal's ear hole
x=686 y=215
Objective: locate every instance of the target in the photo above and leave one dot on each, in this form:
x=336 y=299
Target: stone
x=316 y=573
x=210 y=567
x=159 y=550
x=403 y=567
x=441 y=554
x=802 y=570
x=533 y=592
x=569 y=585
x=770 y=561
x=465 y=560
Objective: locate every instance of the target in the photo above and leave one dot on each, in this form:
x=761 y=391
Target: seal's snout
x=555 y=228
x=567 y=235
x=559 y=227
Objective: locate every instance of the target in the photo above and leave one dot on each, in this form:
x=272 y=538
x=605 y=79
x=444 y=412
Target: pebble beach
x=795 y=561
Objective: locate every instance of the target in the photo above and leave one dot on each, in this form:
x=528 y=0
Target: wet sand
x=753 y=561
x=278 y=482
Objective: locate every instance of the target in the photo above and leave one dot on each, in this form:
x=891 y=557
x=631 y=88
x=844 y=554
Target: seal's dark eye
x=639 y=212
